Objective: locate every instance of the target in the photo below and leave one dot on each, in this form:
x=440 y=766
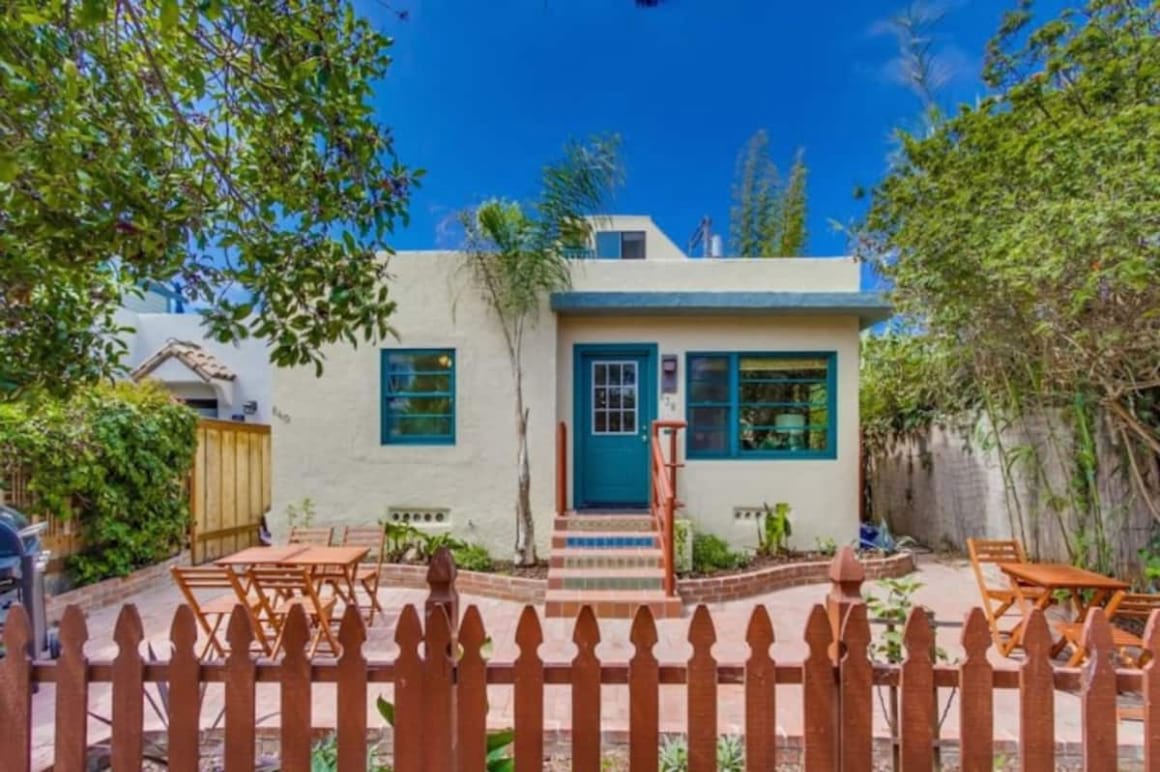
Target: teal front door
x=615 y=405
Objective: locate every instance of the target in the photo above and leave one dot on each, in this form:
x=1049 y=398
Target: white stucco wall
x=248 y=360
x=327 y=431
x=822 y=492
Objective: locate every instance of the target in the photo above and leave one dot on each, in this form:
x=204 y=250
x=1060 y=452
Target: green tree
x=515 y=257
x=1021 y=232
x=767 y=219
x=229 y=145
x=792 y=232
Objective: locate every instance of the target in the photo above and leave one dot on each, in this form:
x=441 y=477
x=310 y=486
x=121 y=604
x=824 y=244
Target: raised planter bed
x=746 y=583
x=113 y=591
x=711 y=589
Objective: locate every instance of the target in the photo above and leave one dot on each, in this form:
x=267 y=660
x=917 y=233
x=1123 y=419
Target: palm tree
x=515 y=257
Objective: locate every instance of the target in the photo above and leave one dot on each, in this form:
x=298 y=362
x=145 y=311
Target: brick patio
x=949 y=590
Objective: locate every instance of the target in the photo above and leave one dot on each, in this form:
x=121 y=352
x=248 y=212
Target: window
x=620 y=245
x=614 y=397
x=418 y=396
x=207 y=408
x=756 y=405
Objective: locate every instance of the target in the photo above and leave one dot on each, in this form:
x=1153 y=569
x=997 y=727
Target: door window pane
x=614 y=401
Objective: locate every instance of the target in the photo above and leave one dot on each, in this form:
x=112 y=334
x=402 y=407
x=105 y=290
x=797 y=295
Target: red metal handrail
x=663 y=480
x=561 y=469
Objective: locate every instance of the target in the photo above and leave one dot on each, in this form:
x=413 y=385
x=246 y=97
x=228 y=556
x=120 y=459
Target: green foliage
x=301 y=515
x=774 y=529
x=894 y=609
x=114 y=457
x=1019 y=232
x=515 y=257
x=324 y=757
x=472 y=557
x=228 y=145
x=711 y=553
x=825 y=546
x=907 y=383
x=682 y=545
x=674 y=754
x=767 y=219
x=405 y=541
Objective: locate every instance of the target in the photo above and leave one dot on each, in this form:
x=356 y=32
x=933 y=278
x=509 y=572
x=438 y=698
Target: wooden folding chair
x=279 y=589
x=1123 y=606
x=374 y=538
x=997 y=600
x=213 y=613
x=315 y=537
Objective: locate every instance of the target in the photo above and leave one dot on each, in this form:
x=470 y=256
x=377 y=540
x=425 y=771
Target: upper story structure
x=758 y=356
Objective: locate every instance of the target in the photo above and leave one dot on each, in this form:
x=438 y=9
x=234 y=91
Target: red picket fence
x=441 y=699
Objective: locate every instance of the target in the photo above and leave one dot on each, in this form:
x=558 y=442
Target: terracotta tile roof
x=206 y=365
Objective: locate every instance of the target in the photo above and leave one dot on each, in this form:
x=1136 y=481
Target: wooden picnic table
x=252 y=556
x=1053 y=578
x=338 y=565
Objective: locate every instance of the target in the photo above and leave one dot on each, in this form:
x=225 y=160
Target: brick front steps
x=611 y=562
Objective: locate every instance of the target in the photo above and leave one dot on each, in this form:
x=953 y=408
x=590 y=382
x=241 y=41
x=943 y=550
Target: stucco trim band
x=869 y=307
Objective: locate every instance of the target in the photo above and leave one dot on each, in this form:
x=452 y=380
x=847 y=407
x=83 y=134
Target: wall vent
x=748 y=513
x=420 y=515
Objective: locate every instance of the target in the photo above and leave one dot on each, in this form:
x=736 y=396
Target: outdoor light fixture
x=669 y=374
x=250 y=407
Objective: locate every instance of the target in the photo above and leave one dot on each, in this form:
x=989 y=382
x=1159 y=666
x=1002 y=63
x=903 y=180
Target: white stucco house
x=759 y=356
x=226 y=381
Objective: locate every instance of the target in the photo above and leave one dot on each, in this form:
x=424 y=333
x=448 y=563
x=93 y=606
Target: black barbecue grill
x=22 y=564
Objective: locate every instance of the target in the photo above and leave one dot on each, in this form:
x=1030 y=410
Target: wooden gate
x=229 y=487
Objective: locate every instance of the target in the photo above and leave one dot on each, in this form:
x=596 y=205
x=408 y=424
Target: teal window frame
x=609 y=245
x=732 y=404
x=386 y=395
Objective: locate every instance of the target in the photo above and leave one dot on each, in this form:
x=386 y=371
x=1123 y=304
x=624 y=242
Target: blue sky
x=482 y=94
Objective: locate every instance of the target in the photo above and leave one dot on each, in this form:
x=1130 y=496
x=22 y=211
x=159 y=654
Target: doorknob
x=644 y=438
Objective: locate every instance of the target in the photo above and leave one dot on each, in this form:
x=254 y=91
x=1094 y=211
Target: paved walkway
x=948 y=588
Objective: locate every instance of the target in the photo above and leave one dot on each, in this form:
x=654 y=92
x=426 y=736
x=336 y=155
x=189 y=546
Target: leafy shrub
x=324 y=757
x=472 y=557
x=711 y=553
x=302 y=514
x=115 y=457
x=774 y=529
x=674 y=754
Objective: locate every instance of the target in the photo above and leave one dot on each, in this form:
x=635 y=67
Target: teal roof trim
x=869 y=307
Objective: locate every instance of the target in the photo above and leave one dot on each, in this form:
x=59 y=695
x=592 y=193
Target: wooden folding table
x=1054 y=578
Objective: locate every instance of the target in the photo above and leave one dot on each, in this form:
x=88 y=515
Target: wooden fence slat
x=702 y=693
x=917 y=694
x=1037 y=698
x=352 y=693
x=197 y=500
x=1098 y=694
x=586 y=694
x=1151 y=695
x=72 y=693
x=818 y=696
x=184 y=692
x=528 y=691
x=976 y=703
x=410 y=721
x=128 y=690
x=240 y=693
x=760 y=694
x=440 y=748
x=856 y=706
x=294 y=679
x=471 y=700
x=643 y=694
x=16 y=691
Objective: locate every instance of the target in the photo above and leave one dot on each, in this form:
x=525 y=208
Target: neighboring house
x=219 y=380
x=759 y=356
